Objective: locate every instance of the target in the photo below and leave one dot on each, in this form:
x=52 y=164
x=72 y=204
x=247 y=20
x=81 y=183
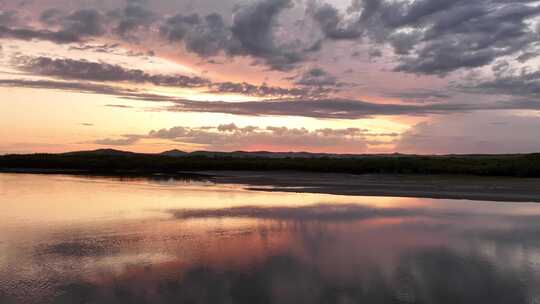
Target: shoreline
x=497 y=189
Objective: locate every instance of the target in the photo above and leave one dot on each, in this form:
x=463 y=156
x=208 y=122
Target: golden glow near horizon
x=55 y=120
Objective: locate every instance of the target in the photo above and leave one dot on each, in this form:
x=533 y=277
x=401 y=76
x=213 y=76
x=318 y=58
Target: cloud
x=507 y=81
x=325 y=108
x=79 y=23
x=93 y=22
x=422 y=95
x=303 y=107
x=251 y=34
x=60 y=37
x=94 y=71
x=333 y=24
x=118 y=106
x=132 y=18
x=231 y=137
x=430 y=37
x=72 y=28
x=267 y=91
x=317 y=77
x=253 y=28
x=126 y=141
x=72 y=69
x=78 y=87
x=203 y=36
x=340 y=108
x=436 y=37
x=84 y=22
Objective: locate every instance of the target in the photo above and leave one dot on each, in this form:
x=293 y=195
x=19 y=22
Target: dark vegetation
x=118 y=162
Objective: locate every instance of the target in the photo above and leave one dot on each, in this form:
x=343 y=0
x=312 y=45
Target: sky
x=337 y=76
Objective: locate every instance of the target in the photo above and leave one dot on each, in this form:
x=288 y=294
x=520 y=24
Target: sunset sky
x=339 y=76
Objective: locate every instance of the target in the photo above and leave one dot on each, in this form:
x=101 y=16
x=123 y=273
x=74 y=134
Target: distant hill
x=264 y=154
x=109 y=152
x=180 y=153
x=174 y=153
x=268 y=154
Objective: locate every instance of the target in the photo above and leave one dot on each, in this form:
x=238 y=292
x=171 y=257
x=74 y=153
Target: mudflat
x=429 y=186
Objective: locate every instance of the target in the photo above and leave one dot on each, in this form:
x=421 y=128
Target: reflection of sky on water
x=77 y=240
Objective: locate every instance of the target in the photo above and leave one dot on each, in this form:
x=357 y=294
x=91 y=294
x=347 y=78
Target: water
x=102 y=240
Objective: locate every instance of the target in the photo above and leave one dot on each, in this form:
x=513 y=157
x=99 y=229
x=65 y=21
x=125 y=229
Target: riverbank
x=506 y=189
x=482 y=188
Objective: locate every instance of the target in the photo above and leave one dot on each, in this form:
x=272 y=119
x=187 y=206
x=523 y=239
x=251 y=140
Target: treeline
x=484 y=165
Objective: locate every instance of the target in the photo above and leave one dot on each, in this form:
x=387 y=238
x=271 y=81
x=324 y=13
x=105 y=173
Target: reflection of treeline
x=494 y=165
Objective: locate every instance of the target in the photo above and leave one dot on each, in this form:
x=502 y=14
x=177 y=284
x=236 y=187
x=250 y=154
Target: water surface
x=66 y=239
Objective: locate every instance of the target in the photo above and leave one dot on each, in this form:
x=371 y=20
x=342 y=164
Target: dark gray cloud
x=204 y=36
x=93 y=22
x=31 y=34
x=74 y=27
x=434 y=36
x=85 y=22
x=317 y=108
x=317 y=77
x=422 y=95
x=527 y=56
x=72 y=87
x=404 y=43
x=252 y=33
x=507 y=81
x=80 y=23
x=253 y=25
x=94 y=71
x=332 y=23
x=267 y=91
x=104 y=72
x=340 y=108
x=132 y=18
x=84 y=87
x=107 y=48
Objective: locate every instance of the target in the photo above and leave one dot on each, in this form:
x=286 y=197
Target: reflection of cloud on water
x=322 y=212
x=78 y=249
x=339 y=212
x=430 y=276
x=325 y=253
